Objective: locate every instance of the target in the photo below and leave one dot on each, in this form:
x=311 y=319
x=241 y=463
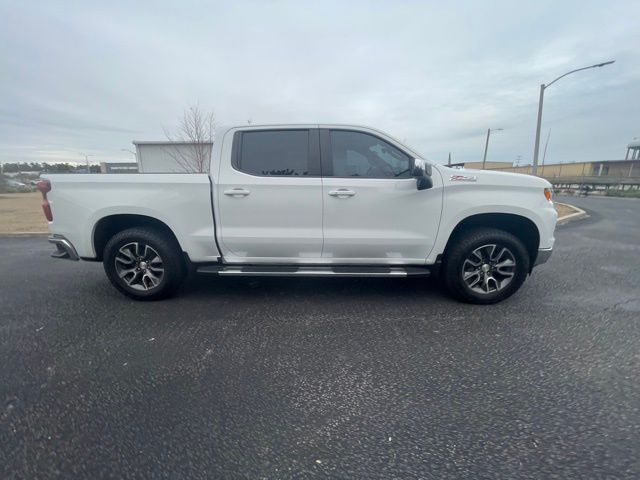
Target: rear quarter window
x=273 y=153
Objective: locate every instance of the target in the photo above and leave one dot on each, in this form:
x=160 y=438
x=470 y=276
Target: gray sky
x=93 y=76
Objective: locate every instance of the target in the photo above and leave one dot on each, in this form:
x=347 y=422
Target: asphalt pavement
x=326 y=378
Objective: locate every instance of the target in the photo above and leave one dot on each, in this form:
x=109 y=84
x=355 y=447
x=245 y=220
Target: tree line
x=47 y=167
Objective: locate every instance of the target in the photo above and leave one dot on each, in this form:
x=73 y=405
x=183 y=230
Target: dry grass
x=21 y=212
x=564 y=210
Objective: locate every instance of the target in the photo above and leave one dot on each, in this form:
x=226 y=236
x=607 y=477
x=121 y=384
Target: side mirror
x=421 y=171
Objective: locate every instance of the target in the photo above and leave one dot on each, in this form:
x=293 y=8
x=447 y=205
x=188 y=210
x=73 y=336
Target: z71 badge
x=464 y=178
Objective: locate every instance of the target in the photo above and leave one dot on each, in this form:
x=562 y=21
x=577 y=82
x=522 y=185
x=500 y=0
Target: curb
x=22 y=234
x=578 y=215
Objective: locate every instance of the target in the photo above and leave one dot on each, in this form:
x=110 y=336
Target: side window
x=274 y=153
x=358 y=154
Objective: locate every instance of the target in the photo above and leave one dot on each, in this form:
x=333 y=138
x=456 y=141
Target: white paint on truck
x=313 y=195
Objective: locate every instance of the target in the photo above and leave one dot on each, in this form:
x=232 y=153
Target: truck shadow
x=305 y=288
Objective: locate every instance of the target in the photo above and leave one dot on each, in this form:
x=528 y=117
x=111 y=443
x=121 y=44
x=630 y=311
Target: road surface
x=326 y=378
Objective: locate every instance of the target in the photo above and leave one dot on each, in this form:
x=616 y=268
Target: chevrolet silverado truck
x=306 y=200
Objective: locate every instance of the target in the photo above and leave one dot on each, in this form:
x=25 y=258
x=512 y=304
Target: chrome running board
x=312 y=271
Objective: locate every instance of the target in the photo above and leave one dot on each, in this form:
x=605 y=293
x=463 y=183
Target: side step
x=313 y=271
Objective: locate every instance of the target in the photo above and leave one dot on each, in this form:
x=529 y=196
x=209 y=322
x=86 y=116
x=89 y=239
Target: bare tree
x=193 y=139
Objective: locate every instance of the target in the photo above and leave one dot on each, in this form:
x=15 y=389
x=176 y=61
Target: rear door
x=373 y=211
x=270 y=197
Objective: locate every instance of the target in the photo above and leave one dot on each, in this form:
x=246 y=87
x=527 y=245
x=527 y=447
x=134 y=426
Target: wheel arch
x=108 y=226
x=519 y=226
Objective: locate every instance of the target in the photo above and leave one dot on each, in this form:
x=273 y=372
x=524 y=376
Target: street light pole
x=543 y=87
x=486 y=145
x=536 y=149
x=544 y=152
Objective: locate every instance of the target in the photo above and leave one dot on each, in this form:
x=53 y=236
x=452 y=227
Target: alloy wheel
x=139 y=266
x=489 y=268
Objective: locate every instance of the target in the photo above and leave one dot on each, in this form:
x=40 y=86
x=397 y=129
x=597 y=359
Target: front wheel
x=485 y=265
x=143 y=263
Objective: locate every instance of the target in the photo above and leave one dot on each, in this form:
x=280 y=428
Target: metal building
x=633 y=150
x=172 y=157
x=118 y=167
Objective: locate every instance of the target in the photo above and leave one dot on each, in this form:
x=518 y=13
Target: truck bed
x=181 y=201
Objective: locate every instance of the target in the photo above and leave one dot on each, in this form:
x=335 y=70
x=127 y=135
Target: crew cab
x=306 y=200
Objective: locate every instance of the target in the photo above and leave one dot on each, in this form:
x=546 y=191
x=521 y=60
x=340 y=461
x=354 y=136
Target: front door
x=373 y=212
x=270 y=197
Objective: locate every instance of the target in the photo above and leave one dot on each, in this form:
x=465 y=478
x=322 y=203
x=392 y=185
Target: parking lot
x=339 y=378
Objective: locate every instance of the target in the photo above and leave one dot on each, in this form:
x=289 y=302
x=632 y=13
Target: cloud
x=92 y=77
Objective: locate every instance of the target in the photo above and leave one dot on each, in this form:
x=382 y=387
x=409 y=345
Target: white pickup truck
x=308 y=200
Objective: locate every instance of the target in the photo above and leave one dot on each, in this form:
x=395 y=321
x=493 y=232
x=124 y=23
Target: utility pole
x=449 y=164
x=86 y=159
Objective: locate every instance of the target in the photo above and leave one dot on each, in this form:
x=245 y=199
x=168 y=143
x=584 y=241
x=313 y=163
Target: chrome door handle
x=237 y=192
x=343 y=192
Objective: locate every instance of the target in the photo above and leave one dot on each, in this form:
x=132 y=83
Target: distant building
x=604 y=172
x=613 y=169
x=487 y=166
x=168 y=157
x=633 y=150
x=115 y=167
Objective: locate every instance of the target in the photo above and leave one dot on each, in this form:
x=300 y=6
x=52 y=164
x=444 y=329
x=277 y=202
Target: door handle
x=343 y=192
x=237 y=192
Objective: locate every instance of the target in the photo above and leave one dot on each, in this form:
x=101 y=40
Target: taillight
x=547 y=194
x=45 y=187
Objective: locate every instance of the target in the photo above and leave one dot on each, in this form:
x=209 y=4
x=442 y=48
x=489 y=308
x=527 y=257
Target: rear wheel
x=144 y=264
x=485 y=265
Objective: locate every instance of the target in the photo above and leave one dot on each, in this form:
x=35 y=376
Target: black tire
x=463 y=247
x=158 y=245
